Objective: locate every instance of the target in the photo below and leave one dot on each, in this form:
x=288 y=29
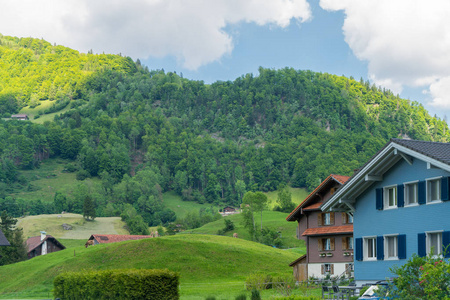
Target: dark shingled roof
x=3 y=240
x=435 y=150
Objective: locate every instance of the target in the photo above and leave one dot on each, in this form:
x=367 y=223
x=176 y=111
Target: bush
x=255 y=295
x=422 y=278
x=241 y=297
x=258 y=281
x=117 y=284
x=299 y=298
x=82 y=175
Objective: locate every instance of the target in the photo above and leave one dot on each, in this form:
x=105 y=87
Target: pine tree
x=89 y=208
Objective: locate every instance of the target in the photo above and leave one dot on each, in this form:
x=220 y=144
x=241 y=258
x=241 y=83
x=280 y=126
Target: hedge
x=117 y=284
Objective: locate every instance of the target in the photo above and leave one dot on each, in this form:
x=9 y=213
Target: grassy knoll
x=271 y=219
x=208 y=265
x=81 y=229
x=48 y=179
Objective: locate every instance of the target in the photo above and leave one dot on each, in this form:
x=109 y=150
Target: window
x=434 y=243
x=433 y=190
x=350 y=243
x=326 y=244
x=327 y=269
x=390 y=197
x=327 y=219
x=347 y=243
x=411 y=193
x=347 y=218
x=370 y=248
x=391 y=247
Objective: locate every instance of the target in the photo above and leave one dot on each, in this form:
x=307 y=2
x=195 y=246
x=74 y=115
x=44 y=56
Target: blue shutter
x=379 y=195
x=422 y=192
x=444 y=189
x=401 y=239
x=380 y=247
x=422 y=244
x=446 y=243
x=400 y=195
x=358 y=249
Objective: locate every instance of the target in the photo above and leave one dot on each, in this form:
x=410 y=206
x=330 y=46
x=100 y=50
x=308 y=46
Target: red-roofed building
x=328 y=236
x=42 y=244
x=114 y=238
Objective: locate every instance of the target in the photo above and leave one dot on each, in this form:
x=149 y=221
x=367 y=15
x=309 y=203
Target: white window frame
x=386 y=197
x=428 y=189
x=428 y=242
x=326 y=219
x=325 y=267
x=388 y=238
x=366 y=247
x=416 y=193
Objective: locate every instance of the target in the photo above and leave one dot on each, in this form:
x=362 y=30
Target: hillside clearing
x=81 y=229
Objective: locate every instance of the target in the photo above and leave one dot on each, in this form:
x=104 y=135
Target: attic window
x=332 y=190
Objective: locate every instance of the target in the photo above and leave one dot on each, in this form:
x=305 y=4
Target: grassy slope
x=271 y=219
x=180 y=207
x=81 y=229
x=49 y=179
x=207 y=264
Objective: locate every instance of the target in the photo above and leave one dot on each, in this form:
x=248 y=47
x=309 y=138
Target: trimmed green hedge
x=117 y=284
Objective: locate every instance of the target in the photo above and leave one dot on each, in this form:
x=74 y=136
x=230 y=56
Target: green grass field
x=81 y=229
x=208 y=265
x=180 y=207
x=271 y=219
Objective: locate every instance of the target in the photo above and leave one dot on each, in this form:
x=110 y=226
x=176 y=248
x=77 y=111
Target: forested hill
x=145 y=132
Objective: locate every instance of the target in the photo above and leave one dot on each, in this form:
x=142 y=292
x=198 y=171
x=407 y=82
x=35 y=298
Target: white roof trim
x=361 y=176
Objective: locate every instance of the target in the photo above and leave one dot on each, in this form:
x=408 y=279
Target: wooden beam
x=406 y=157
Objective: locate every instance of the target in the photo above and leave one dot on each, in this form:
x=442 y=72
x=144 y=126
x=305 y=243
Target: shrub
x=117 y=284
x=258 y=281
x=299 y=298
x=422 y=278
x=255 y=295
x=241 y=297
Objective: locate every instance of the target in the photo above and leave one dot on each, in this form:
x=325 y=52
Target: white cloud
x=406 y=43
x=192 y=31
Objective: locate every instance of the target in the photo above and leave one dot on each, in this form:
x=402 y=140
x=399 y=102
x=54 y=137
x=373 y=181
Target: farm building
x=43 y=244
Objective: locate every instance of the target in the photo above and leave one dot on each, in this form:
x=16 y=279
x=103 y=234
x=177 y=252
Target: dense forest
x=144 y=132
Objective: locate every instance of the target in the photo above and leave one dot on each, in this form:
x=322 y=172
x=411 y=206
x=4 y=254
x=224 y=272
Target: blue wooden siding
x=370 y=219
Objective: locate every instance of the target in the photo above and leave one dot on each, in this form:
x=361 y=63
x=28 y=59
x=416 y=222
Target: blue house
x=400 y=205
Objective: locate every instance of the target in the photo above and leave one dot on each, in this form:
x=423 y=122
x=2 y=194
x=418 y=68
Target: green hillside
x=208 y=265
x=129 y=135
x=271 y=219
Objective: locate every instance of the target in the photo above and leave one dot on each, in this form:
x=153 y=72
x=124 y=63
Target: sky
x=402 y=45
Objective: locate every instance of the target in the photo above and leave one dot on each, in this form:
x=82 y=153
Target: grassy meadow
x=271 y=219
x=47 y=180
x=208 y=265
x=43 y=105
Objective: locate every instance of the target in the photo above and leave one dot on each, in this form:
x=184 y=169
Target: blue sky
x=402 y=45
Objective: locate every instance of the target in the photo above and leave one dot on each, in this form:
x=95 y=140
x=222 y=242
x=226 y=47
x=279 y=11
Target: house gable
x=389 y=224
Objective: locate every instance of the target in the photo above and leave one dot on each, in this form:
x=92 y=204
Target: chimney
x=43 y=235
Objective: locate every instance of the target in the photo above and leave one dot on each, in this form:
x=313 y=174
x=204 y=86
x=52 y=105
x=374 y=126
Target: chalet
x=400 y=203
x=43 y=244
x=328 y=236
x=114 y=238
x=21 y=117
